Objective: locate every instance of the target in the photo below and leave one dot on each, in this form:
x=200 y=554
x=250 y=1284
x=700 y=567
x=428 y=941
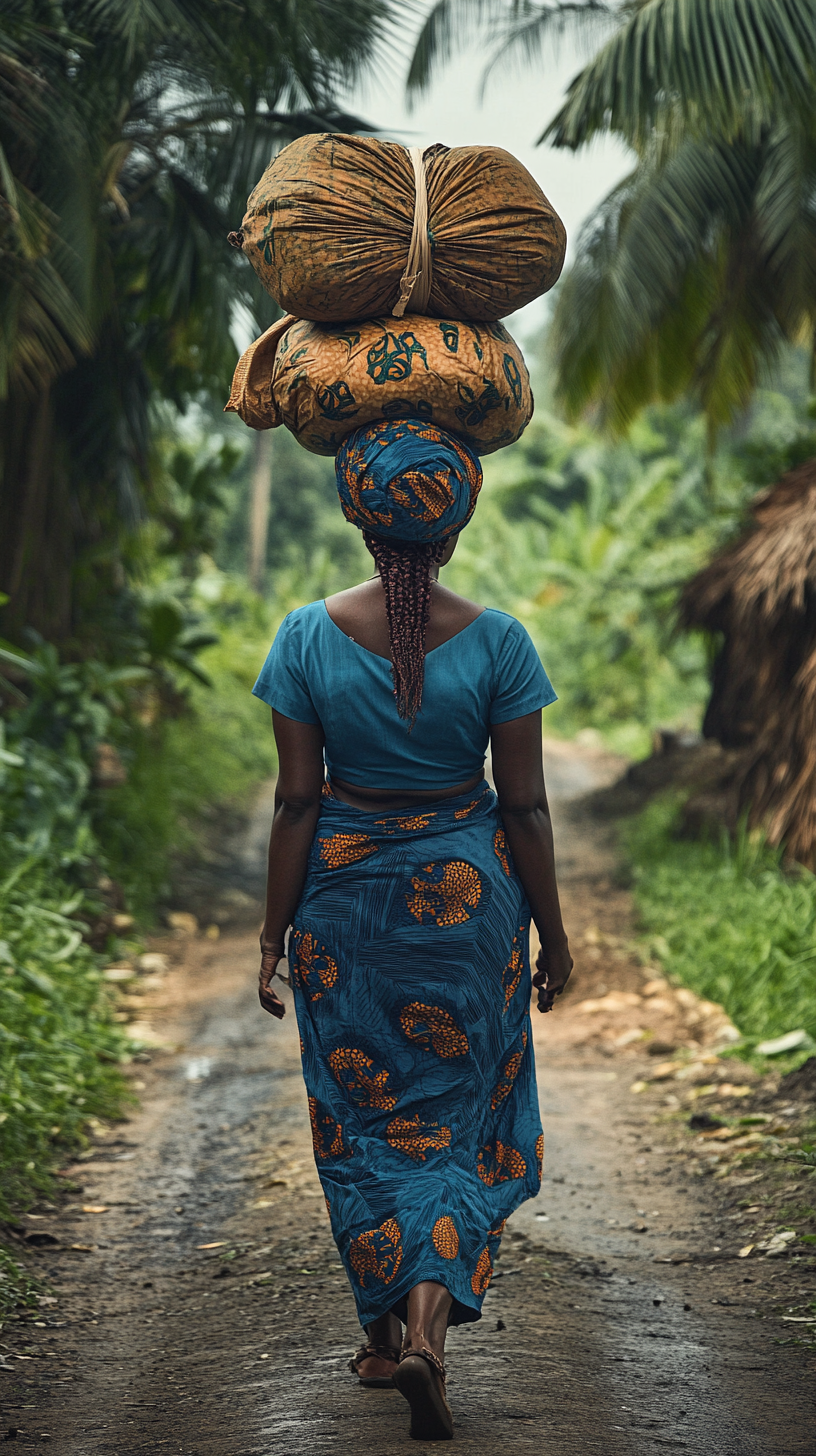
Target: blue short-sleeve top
x=488 y=673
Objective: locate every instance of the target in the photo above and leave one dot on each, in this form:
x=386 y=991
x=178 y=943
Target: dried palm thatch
x=761 y=595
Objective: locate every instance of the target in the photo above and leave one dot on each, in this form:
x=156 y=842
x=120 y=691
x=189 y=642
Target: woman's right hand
x=553 y=968
x=269 y=1001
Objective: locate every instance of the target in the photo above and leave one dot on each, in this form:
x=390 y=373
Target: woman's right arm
x=518 y=773
x=297 y=806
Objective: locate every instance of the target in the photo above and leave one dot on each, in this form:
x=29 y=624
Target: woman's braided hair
x=405 y=572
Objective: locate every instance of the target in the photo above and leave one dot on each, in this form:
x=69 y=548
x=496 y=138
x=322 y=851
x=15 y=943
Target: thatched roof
x=769 y=571
x=761 y=594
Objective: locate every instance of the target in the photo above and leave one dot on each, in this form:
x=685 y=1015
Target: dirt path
x=620 y=1319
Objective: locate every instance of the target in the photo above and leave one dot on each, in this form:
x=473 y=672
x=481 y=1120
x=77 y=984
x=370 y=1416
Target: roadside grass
x=185 y=770
x=60 y=1050
x=18 y=1287
x=729 y=921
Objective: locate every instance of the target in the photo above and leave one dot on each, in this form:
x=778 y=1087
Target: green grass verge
x=18 y=1288
x=185 y=769
x=728 y=921
x=60 y=1050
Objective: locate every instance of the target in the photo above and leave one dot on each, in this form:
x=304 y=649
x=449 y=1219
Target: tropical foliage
x=130 y=136
x=701 y=265
x=588 y=543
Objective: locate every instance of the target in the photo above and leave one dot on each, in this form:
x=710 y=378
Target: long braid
x=405 y=572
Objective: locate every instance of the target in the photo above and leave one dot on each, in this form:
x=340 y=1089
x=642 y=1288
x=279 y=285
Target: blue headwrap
x=403 y=480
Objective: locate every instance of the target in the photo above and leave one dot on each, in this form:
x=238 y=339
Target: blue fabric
x=488 y=673
x=408 y=481
x=410 y=971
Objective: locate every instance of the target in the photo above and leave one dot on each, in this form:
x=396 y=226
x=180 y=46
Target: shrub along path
x=198 y=1305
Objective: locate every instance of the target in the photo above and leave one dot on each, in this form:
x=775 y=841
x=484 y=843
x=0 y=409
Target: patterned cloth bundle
x=349 y=232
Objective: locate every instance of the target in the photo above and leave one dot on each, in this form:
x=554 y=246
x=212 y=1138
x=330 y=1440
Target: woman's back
x=331 y=667
x=361 y=614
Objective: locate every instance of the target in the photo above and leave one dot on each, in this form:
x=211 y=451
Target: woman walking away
x=409 y=887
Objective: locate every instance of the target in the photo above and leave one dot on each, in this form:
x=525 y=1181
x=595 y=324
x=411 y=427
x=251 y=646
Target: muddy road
x=198 y=1304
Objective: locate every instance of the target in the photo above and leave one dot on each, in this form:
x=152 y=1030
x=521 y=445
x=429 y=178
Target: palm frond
x=451 y=26
x=683 y=278
x=533 y=27
x=708 y=65
x=517 y=28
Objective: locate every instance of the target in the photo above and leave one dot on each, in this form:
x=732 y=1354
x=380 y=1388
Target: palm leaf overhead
x=691 y=276
x=693 y=64
x=699 y=269
x=696 y=270
x=509 y=27
x=131 y=132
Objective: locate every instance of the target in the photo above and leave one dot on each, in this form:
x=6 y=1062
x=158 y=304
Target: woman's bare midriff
x=376 y=800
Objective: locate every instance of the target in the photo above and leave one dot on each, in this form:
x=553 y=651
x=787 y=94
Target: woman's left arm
x=518 y=774
x=297 y=806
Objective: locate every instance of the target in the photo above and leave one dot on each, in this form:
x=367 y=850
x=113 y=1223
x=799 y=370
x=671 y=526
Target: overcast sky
x=518 y=103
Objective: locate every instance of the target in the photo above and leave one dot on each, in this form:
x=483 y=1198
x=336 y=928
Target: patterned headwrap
x=403 y=480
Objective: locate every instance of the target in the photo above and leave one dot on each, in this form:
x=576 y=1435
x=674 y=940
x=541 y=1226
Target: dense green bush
x=59 y=1047
x=210 y=754
x=589 y=541
x=729 y=921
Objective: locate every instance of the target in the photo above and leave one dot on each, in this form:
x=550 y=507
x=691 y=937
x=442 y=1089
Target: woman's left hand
x=553 y=969
x=269 y=1001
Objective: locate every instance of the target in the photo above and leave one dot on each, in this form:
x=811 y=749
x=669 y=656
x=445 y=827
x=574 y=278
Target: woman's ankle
x=428 y=1309
x=386 y=1331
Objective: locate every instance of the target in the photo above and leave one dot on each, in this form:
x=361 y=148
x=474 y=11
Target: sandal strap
x=432 y=1359
x=378 y=1352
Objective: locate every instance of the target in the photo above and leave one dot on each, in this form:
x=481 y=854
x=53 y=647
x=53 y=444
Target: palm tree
x=701 y=265
x=130 y=136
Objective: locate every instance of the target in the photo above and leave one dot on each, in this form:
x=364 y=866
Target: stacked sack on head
x=395 y=266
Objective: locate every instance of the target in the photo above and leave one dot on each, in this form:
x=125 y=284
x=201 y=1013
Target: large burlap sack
x=329 y=227
x=322 y=382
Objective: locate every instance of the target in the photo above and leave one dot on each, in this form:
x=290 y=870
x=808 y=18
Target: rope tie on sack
x=415 y=283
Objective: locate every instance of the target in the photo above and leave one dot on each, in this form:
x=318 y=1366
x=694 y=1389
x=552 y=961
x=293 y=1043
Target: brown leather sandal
x=384 y=1355
x=420 y=1378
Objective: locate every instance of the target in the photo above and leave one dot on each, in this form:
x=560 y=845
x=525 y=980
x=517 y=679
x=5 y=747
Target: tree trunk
x=261 y=489
x=36 y=529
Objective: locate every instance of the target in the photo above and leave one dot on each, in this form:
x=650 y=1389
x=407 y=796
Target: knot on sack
x=415 y=283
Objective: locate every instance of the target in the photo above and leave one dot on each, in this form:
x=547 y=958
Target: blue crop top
x=488 y=673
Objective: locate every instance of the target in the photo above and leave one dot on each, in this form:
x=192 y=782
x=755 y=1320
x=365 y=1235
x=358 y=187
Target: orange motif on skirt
x=345 y=849
x=445 y=1237
x=448 y=897
x=497 y=1232
x=509 y=1073
x=415 y=1138
x=327 y=1134
x=468 y=809
x=418 y=821
x=483 y=1273
x=377 y=1252
x=500 y=846
x=355 y=1071
x=512 y=971
x=497 y=1163
x=312 y=965
x=433 y=1026
x=539 y=1153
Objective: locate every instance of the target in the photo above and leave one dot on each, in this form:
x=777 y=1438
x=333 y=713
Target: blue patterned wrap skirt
x=410 y=970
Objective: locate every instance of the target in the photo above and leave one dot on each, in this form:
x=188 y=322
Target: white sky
x=518 y=103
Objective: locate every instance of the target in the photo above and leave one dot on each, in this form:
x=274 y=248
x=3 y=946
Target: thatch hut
x=760 y=594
